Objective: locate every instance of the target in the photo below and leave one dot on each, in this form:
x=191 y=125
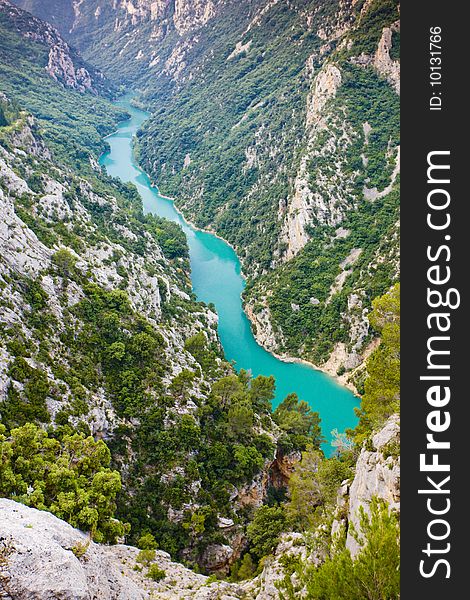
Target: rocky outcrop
x=325 y=86
x=190 y=14
x=262 y=327
x=265 y=586
x=387 y=67
x=306 y=204
x=282 y=468
x=63 y=63
x=377 y=474
x=43 y=557
x=381 y=60
x=61 y=68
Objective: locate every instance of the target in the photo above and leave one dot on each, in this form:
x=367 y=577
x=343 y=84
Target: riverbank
x=209 y=230
x=337 y=357
x=339 y=354
x=217 y=278
x=265 y=337
x=262 y=332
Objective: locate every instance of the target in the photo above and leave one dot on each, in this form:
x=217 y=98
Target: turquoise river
x=216 y=277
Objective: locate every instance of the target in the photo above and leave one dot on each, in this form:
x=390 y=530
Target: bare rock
x=376 y=475
x=39 y=562
x=44 y=558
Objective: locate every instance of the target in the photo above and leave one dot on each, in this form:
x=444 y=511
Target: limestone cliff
x=43 y=557
x=125 y=27
x=377 y=474
x=63 y=63
x=334 y=178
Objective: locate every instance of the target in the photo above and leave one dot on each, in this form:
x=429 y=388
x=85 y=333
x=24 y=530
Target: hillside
x=101 y=334
x=276 y=125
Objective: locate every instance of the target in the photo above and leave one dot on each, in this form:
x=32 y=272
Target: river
x=216 y=277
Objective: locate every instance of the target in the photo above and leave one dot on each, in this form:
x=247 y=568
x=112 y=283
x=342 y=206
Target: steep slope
x=127 y=37
x=344 y=510
x=100 y=332
x=34 y=542
x=40 y=71
x=57 y=58
x=96 y=309
x=276 y=124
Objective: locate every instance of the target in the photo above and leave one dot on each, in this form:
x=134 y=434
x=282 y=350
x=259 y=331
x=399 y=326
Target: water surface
x=216 y=277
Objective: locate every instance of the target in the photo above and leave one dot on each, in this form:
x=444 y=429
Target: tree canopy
x=68 y=476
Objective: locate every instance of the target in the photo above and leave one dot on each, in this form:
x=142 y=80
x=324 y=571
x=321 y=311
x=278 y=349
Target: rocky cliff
x=281 y=153
x=293 y=157
x=63 y=63
x=298 y=555
x=128 y=30
x=377 y=474
x=43 y=557
x=30 y=242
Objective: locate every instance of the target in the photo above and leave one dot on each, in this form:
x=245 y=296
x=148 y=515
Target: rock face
x=383 y=63
x=39 y=561
x=377 y=474
x=323 y=192
x=61 y=67
x=42 y=557
x=264 y=587
x=282 y=468
x=306 y=204
x=325 y=86
x=153 y=20
x=63 y=63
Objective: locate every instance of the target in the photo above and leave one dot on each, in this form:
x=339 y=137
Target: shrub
x=145 y=557
x=155 y=573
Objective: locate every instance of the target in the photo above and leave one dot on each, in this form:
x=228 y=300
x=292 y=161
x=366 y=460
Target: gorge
x=216 y=279
x=156 y=387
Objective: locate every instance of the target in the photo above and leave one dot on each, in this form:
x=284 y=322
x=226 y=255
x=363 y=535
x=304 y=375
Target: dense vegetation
x=242 y=101
x=374 y=573
x=183 y=443
x=230 y=439
x=228 y=133
x=65 y=473
x=73 y=124
x=316 y=327
x=190 y=442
